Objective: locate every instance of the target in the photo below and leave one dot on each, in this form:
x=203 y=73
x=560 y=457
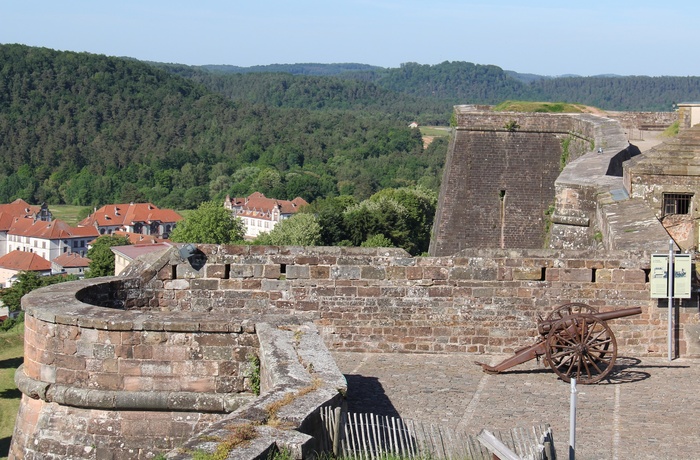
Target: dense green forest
x=434 y=88
x=86 y=129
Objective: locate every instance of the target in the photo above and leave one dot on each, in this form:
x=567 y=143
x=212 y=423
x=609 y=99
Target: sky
x=541 y=37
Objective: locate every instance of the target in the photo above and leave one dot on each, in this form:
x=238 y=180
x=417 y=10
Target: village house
x=260 y=214
x=17 y=261
x=70 y=263
x=48 y=239
x=19 y=208
x=140 y=218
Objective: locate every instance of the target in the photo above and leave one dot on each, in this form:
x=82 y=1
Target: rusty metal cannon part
x=581 y=346
x=569 y=309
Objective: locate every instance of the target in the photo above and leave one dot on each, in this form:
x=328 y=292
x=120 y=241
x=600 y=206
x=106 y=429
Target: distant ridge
x=295 y=69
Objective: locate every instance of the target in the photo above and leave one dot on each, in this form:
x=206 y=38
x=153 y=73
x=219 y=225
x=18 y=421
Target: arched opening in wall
x=502 y=214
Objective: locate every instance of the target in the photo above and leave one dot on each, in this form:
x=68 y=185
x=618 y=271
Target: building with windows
x=48 y=239
x=70 y=263
x=140 y=218
x=19 y=208
x=667 y=179
x=260 y=214
x=14 y=262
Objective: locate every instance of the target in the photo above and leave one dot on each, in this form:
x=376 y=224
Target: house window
x=677 y=203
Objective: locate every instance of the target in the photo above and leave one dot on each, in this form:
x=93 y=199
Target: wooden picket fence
x=377 y=437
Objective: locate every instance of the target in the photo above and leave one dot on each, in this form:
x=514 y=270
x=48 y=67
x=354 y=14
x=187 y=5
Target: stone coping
x=180 y=401
x=60 y=304
x=293 y=360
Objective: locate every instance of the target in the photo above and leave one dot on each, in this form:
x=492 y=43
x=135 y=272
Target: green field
x=436 y=131
x=69 y=214
x=11 y=351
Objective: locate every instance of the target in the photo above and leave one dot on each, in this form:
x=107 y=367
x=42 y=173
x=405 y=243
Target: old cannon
x=575 y=341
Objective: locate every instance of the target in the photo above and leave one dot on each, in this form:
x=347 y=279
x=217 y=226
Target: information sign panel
x=658 y=279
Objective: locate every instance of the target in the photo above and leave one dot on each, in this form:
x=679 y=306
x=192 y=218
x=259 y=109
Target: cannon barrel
x=544 y=326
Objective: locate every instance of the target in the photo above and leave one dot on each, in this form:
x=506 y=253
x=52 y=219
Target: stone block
x=372 y=272
x=240 y=271
x=530 y=274
x=206 y=284
x=177 y=284
x=298 y=272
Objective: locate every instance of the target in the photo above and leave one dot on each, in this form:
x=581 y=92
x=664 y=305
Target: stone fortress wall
x=499 y=180
x=167 y=341
x=158 y=359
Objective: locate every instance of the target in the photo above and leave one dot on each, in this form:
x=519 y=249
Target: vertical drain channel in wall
x=502 y=197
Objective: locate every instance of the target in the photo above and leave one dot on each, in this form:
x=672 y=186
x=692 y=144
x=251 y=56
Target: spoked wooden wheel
x=570 y=309
x=581 y=346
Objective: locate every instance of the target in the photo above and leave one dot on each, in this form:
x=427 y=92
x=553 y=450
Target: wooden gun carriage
x=575 y=341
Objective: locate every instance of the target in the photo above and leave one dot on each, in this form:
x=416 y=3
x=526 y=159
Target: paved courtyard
x=647 y=409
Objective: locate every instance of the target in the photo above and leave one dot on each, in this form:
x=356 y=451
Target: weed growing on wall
x=253 y=374
x=511 y=126
x=564 y=152
x=240 y=434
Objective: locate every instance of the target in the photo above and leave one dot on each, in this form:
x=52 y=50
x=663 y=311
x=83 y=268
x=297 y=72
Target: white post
x=670 y=275
x=572 y=422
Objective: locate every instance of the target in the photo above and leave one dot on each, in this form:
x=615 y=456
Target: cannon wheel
x=581 y=346
x=570 y=309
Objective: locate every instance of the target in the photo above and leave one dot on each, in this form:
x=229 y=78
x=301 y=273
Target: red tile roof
x=125 y=214
x=24 y=261
x=138 y=238
x=54 y=230
x=18 y=208
x=257 y=202
x=71 y=259
x=133 y=251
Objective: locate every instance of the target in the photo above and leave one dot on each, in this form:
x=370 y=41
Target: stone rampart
x=106 y=368
x=499 y=177
x=644 y=121
x=366 y=299
x=107 y=375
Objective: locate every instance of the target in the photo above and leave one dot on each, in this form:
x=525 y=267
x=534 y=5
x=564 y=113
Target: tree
x=27 y=282
x=101 y=256
x=298 y=230
x=210 y=223
x=329 y=215
x=377 y=241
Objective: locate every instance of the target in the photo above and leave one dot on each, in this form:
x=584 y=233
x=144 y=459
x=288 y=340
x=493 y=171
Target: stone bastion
x=159 y=359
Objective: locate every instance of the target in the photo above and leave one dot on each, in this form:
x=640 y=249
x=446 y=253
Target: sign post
x=672 y=287
x=670 y=300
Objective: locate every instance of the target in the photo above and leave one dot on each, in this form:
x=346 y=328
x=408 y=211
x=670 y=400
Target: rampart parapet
x=155 y=361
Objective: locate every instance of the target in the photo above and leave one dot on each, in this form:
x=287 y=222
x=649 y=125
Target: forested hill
x=87 y=129
x=441 y=86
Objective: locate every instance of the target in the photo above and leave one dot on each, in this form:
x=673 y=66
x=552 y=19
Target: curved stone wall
x=107 y=376
x=167 y=339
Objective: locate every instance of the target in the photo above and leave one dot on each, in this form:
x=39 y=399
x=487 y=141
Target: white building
x=141 y=218
x=48 y=239
x=260 y=214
